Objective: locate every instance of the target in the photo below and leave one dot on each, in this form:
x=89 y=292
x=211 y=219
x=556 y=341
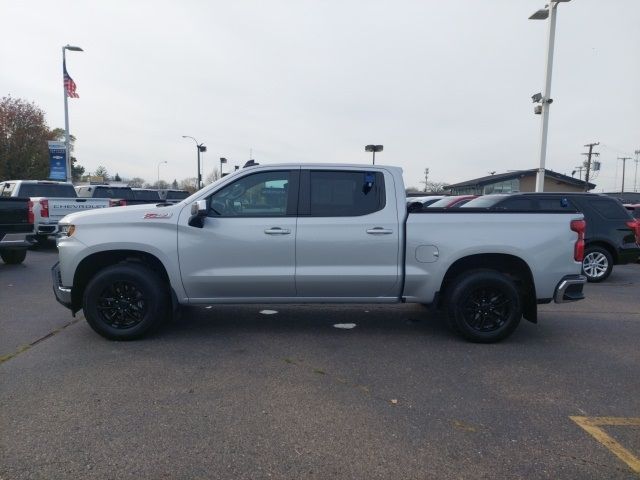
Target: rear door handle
x=277 y=231
x=379 y=231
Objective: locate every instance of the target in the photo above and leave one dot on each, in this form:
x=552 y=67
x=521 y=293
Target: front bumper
x=63 y=294
x=570 y=289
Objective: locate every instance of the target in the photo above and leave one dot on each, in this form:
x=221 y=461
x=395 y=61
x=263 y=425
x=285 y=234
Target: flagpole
x=66 y=120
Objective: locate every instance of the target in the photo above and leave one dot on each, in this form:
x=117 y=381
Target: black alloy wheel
x=122 y=305
x=486 y=309
x=483 y=305
x=126 y=301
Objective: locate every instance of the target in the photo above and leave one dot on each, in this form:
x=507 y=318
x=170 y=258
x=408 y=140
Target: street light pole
x=160 y=163
x=546 y=100
x=374 y=149
x=66 y=110
x=222 y=161
x=200 y=147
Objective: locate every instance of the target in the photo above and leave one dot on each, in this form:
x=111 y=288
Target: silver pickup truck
x=315 y=234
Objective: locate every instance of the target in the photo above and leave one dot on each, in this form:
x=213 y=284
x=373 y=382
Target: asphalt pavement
x=230 y=392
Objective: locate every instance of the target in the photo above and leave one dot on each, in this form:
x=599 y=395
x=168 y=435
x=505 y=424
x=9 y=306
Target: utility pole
x=635 y=176
x=624 y=162
x=579 y=170
x=426 y=179
x=589 y=154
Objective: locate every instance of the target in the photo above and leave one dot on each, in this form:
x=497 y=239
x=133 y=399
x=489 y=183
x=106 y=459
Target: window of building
x=507 y=186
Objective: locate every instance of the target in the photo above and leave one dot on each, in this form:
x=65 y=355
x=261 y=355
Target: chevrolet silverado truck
x=50 y=201
x=315 y=233
x=15 y=226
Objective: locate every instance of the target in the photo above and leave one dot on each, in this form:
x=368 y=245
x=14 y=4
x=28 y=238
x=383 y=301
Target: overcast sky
x=442 y=84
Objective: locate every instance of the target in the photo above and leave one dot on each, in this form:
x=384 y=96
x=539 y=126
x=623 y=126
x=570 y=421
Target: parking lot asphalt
x=229 y=392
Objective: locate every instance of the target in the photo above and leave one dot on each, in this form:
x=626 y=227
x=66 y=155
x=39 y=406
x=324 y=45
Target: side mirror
x=199 y=211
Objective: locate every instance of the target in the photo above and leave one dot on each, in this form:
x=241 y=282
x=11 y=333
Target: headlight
x=67 y=230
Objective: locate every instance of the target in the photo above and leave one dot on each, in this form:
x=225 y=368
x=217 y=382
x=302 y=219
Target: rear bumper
x=15 y=240
x=63 y=294
x=570 y=289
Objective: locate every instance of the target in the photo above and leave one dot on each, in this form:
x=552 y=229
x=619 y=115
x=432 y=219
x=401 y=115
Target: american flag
x=69 y=84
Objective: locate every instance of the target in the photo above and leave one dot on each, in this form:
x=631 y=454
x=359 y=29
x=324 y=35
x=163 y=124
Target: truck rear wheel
x=13 y=256
x=126 y=301
x=483 y=306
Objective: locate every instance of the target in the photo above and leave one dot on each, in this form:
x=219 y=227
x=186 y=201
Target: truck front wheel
x=125 y=301
x=483 y=306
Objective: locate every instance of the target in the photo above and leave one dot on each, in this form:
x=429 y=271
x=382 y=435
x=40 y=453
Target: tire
x=126 y=301
x=597 y=264
x=483 y=306
x=13 y=257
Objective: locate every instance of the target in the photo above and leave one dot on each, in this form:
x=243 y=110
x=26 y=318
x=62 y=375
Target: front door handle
x=379 y=231
x=277 y=231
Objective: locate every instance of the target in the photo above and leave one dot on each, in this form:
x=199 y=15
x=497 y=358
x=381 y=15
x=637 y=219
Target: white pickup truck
x=50 y=201
x=312 y=233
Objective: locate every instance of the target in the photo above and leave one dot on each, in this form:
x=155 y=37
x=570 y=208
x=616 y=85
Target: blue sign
x=57 y=161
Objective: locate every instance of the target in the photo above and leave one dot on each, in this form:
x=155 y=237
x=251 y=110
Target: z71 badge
x=153 y=216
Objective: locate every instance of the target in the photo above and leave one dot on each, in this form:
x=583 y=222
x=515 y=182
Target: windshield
x=443 y=202
x=50 y=190
x=484 y=202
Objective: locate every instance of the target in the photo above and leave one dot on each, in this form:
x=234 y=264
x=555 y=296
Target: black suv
x=612 y=236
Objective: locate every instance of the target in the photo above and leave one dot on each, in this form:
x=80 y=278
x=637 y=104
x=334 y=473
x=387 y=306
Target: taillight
x=578 y=226
x=44 y=208
x=30 y=213
x=635 y=226
x=123 y=203
x=113 y=203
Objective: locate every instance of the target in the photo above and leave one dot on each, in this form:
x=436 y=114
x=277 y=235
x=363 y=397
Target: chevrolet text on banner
x=57 y=161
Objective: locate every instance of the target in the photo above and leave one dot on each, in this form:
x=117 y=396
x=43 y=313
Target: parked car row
x=50 y=201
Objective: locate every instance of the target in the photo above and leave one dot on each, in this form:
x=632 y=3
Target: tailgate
x=14 y=215
x=60 y=207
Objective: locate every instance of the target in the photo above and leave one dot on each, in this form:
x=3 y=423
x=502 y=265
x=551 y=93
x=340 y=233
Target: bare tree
x=212 y=177
x=136 y=182
x=189 y=184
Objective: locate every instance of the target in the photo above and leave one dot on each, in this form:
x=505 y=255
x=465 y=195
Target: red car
x=452 y=202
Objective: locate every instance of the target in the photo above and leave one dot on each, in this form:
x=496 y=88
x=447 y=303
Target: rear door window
x=556 y=204
x=343 y=193
x=609 y=209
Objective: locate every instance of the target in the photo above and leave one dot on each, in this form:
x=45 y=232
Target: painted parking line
x=592 y=426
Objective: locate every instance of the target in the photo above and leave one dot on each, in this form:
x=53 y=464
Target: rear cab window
x=341 y=193
x=51 y=190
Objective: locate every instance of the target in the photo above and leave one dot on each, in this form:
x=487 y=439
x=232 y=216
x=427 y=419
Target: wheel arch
x=606 y=245
x=93 y=263
x=510 y=265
